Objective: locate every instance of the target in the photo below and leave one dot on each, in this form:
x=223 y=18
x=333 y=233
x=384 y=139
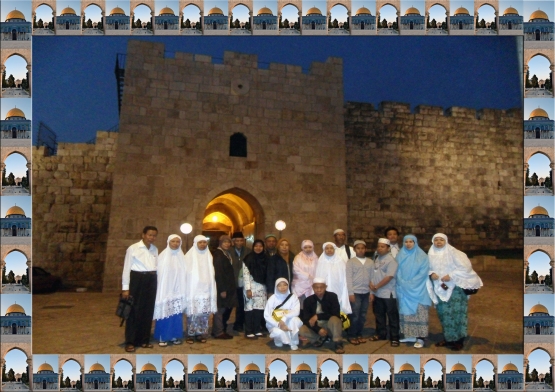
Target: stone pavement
x=85 y=323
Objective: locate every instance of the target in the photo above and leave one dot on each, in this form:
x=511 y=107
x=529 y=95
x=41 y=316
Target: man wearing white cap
x=343 y=250
x=382 y=284
x=321 y=317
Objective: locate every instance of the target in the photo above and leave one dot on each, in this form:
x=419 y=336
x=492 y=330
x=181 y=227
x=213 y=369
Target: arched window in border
x=238 y=145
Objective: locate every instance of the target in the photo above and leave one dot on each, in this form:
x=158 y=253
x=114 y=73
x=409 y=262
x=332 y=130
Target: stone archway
x=230 y=211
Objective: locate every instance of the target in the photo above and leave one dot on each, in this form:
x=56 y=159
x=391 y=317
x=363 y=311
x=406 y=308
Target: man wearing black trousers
x=139 y=282
x=238 y=253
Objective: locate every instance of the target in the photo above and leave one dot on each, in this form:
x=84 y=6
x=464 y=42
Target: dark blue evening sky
x=74 y=85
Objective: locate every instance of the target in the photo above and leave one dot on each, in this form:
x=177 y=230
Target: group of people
x=293 y=298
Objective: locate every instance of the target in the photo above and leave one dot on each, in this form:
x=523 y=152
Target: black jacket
x=330 y=307
x=225 y=280
x=278 y=268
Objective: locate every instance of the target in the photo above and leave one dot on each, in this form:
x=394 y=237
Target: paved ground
x=14 y=288
x=536 y=288
x=85 y=323
x=14 y=93
x=537 y=191
x=13 y=190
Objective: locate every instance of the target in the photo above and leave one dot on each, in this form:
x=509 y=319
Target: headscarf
x=170 y=291
x=256 y=263
x=200 y=283
x=332 y=269
x=279 y=296
x=412 y=274
x=304 y=269
x=286 y=258
x=452 y=262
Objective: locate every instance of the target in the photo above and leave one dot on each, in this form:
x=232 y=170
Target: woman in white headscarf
x=332 y=269
x=282 y=315
x=170 y=293
x=304 y=268
x=451 y=273
x=200 y=289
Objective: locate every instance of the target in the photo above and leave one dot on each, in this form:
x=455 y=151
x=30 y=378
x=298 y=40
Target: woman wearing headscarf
x=254 y=289
x=412 y=294
x=170 y=293
x=331 y=267
x=451 y=273
x=200 y=289
x=304 y=268
x=226 y=286
x=280 y=265
x=282 y=315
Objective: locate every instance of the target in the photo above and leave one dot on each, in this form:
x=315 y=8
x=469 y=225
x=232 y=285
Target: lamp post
x=186 y=228
x=280 y=225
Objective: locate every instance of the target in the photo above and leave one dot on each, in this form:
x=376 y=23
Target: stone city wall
x=71 y=206
x=458 y=172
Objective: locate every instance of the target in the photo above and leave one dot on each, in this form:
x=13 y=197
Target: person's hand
x=322 y=332
x=446 y=278
x=372 y=297
x=249 y=294
x=352 y=298
x=125 y=294
x=373 y=287
x=283 y=326
x=223 y=295
x=313 y=320
x=434 y=276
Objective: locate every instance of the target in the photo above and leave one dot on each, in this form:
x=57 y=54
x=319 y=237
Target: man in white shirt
x=139 y=282
x=344 y=251
x=392 y=234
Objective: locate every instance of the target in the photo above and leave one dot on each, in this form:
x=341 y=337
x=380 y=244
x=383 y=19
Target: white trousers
x=287 y=337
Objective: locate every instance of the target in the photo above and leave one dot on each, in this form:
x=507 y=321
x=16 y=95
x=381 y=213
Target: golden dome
x=200 y=366
x=539 y=308
x=412 y=11
x=15 y=308
x=510 y=11
x=363 y=11
x=406 y=367
x=15 y=14
x=148 y=367
x=535 y=211
x=265 y=11
x=215 y=11
x=15 y=210
x=97 y=366
x=166 y=11
x=509 y=367
x=252 y=366
x=68 y=11
x=461 y=11
x=458 y=366
x=355 y=366
x=539 y=113
x=314 y=11
x=539 y=15
x=117 y=11
x=303 y=366
x=15 y=112
x=44 y=367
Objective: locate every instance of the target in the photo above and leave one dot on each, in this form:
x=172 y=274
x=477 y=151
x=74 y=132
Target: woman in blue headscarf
x=412 y=294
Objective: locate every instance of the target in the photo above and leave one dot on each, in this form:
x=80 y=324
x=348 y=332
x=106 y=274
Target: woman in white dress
x=282 y=316
x=332 y=269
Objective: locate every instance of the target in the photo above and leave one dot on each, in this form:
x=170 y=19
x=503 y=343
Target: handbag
x=344 y=320
x=124 y=308
x=277 y=313
x=470 y=291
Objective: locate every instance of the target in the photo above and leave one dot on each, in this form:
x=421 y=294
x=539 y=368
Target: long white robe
x=333 y=270
x=200 y=284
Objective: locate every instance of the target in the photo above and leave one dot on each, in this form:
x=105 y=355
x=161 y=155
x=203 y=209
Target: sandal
x=339 y=348
x=354 y=341
x=419 y=343
x=394 y=343
x=374 y=338
x=201 y=339
x=190 y=340
x=163 y=344
x=361 y=339
x=130 y=348
x=147 y=345
x=443 y=343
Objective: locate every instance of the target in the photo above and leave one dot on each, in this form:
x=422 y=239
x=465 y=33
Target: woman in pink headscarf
x=304 y=268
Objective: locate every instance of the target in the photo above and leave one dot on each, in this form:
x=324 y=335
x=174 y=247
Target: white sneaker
x=278 y=344
x=294 y=347
x=408 y=340
x=251 y=336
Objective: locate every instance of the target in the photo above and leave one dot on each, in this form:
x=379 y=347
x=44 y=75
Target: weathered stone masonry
x=313 y=161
